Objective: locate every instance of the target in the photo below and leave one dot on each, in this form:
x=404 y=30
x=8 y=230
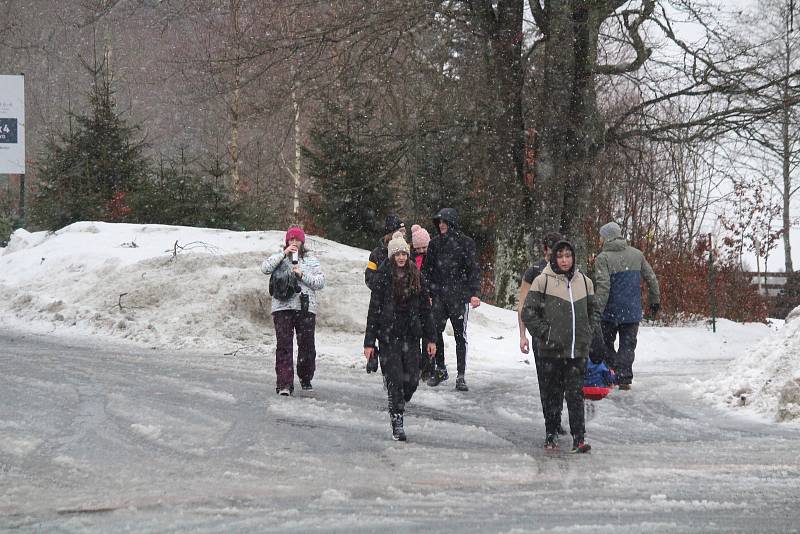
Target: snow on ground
x=171 y=287
x=764 y=381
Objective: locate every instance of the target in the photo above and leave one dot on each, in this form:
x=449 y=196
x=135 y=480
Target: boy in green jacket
x=557 y=313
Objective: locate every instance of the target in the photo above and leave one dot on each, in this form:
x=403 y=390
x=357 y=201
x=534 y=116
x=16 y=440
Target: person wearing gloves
x=399 y=318
x=618 y=272
x=294 y=312
x=558 y=312
x=451 y=268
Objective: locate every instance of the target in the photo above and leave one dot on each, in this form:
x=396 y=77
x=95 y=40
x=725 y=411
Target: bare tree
x=777 y=135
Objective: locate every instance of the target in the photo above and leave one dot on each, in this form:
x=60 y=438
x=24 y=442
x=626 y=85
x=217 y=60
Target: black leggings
x=399 y=359
x=457 y=314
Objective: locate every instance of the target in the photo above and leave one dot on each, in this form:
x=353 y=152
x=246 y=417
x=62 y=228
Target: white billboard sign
x=12 y=124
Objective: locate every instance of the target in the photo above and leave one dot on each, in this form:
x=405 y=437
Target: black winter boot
x=461 y=384
x=398 y=434
x=579 y=444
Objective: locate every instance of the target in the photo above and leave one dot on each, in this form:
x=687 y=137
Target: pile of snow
x=766 y=380
x=163 y=286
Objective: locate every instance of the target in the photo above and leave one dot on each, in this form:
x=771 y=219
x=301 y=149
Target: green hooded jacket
x=558 y=312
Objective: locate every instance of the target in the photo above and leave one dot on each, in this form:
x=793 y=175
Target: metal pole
x=711 y=290
x=22 y=200
x=22 y=176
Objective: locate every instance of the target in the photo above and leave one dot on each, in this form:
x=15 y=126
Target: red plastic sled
x=595 y=393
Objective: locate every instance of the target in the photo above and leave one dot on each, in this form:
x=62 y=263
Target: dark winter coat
x=376 y=259
x=387 y=320
x=558 y=313
x=534 y=271
x=451 y=265
x=618 y=273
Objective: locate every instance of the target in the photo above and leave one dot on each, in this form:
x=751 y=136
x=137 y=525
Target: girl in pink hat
x=419 y=240
x=295 y=277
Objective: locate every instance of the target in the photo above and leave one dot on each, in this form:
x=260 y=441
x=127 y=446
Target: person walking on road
x=549 y=240
x=558 y=314
x=420 y=238
x=618 y=272
x=399 y=317
x=451 y=268
x=294 y=310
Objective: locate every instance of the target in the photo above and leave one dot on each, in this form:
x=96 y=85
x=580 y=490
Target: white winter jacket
x=311 y=281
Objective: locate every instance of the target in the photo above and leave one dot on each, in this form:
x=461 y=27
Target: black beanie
x=392 y=224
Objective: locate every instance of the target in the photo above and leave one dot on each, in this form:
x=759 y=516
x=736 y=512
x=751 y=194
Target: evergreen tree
x=182 y=194
x=88 y=173
x=353 y=180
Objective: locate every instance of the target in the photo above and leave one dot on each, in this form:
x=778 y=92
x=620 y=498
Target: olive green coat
x=558 y=313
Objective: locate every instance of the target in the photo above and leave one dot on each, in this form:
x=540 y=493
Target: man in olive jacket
x=619 y=269
x=558 y=313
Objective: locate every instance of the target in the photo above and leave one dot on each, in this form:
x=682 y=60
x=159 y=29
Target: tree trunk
x=567 y=125
x=505 y=173
x=235 y=106
x=786 y=157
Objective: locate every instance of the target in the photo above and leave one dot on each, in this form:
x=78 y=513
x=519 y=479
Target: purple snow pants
x=288 y=322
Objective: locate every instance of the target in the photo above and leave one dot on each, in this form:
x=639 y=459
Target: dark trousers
x=457 y=314
x=562 y=378
x=288 y=322
x=537 y=360
x=400 y=363
x=621 y=359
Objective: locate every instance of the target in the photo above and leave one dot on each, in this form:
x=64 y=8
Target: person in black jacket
x=399 y=317
x=451 y=268
x=378 y=255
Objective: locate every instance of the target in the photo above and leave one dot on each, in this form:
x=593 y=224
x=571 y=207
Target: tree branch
x=643 y=52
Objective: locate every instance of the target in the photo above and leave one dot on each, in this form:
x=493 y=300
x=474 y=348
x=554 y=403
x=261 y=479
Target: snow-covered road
x=100 y=437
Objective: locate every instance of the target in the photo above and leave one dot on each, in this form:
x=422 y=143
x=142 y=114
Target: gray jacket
x=618 y=272
x=311 y=281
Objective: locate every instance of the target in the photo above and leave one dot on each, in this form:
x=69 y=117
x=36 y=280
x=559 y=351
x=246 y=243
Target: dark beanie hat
x=392 y=224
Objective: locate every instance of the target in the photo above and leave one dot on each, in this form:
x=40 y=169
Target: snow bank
x=162 y=286
x=763 y=381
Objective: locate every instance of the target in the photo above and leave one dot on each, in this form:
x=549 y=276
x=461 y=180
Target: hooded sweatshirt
x=451 y=266
x=618 y=272
x=558 y=310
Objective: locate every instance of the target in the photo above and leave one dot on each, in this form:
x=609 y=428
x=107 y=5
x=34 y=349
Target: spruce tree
x=88 y=172
x=353 y=179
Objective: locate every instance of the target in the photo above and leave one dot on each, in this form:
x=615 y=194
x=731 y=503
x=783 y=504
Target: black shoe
x=306 y=385
x=560 y=431
x=625 y=387
x=579 y=445
x=398 y=434
x=551 y=442
x=284 y=392
x=461 y=384
x=437 y=377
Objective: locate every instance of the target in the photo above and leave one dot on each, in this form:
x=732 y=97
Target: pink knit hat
x=419 y=236
x=297 y=233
